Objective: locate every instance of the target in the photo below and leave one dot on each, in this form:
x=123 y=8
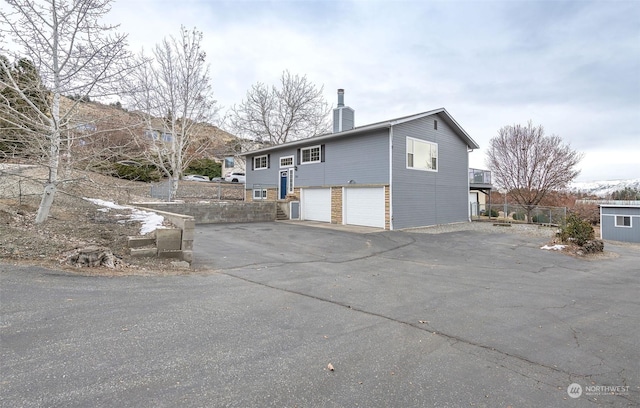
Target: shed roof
x=441 y=112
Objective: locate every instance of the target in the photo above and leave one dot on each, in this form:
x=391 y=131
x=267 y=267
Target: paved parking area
x=459 y=319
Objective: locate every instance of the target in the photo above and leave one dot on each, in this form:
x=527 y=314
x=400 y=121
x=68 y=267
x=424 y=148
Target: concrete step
x=137 y=242
x=281 y=215
x=144 y=252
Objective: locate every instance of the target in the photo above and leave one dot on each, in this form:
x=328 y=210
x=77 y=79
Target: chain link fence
x=25 y=183
x=198 y=191
x=518 y=213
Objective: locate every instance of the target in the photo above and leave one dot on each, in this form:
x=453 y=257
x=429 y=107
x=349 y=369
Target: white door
x=316 y=204
x=364 y=206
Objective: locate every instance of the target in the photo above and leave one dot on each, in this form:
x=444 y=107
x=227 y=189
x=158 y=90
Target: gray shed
x=620 y=221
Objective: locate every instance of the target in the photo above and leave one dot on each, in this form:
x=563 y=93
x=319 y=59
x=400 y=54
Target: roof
x=441 y=112
x=627 y=205
x=611 y=203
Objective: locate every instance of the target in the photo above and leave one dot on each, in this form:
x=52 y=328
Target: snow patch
x=150 y=220
x=556 y=247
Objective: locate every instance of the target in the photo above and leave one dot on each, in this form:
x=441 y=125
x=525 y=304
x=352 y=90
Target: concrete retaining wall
x=169 y=242
x=218 y=212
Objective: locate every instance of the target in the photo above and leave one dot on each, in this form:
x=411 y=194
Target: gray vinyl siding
x=363 y=159
x=267 y=177
x=422 y=198
x=608 y=224
x=348 y=119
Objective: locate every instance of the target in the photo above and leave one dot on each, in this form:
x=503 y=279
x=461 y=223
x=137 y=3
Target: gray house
x=620 y=221
x=401 y=173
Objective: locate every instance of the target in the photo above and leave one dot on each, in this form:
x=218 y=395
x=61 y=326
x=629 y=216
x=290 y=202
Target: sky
x=571 y=66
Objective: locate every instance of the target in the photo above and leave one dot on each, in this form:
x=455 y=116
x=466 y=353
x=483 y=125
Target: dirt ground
x=74 y=223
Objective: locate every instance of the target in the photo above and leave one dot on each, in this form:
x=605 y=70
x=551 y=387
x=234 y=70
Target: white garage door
x=316 y=204
x=364 y=206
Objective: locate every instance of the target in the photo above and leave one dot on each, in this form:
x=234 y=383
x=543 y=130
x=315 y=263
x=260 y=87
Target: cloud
x=570 y=66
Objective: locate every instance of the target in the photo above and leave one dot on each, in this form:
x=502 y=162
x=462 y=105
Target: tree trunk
x=45 y=203
x=174 y=187
x=54 y=162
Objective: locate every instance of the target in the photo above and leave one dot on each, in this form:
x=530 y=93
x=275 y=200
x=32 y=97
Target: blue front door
x=283 y=184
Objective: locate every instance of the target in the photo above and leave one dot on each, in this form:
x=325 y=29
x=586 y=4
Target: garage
x=316 y=204
x=364 y=206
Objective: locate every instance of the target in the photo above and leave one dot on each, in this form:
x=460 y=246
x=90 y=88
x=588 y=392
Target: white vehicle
x=236 y=177
x=195 y=177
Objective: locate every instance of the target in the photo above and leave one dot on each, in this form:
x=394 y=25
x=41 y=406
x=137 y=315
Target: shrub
x=519 y=216
x=576 y=230
x=540 y=218
x=204 y=167
x=143 y=172
x=494 y=213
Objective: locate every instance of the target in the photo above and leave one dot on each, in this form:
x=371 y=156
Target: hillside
x=75 y=222
x=604 y=188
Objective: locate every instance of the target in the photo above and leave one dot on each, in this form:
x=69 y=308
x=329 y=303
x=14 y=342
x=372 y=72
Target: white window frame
x=282 y=166
x=622 y=225
x=302 y=161
x=262 y=194
x=258 y=159
x=290 y=181
x=412 y=141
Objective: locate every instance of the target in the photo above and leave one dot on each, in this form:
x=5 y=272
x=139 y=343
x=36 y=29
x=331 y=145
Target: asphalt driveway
x=407 y=320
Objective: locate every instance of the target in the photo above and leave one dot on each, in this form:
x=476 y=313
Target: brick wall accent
x=272 y=195
x=336 y=205
x=387 y=208
x=295 y=196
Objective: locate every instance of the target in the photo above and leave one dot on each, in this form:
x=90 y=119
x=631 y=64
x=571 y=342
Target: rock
x=93 y=257
x=593 y=246
x=180 y=264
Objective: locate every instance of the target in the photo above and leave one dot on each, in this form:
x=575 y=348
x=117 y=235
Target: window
x=435 y=125
x=310 y=155
x=290 y=182
x=422 y=155
x=623 y=221
x=286 y=161
x=260 y=162
x=260 y=194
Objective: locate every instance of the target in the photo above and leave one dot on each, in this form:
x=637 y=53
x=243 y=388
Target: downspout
x=391 y=177
x=469 y=187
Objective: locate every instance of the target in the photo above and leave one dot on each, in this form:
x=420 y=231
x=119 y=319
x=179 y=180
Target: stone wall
x=219 y=211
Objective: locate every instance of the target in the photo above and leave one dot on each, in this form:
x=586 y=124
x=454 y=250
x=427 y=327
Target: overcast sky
x=572 y=66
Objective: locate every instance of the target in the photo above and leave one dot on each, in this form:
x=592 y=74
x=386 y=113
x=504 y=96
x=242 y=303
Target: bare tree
x=174 y=95
x=296 y=110
x=74 y=54
x=529 y=164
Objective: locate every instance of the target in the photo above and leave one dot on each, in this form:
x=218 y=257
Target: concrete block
x=187 y=256
x=143 y=252
x=188 y=234
x=170 y=254
x=187 y=245
x=168 y=239
x=137 y=242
